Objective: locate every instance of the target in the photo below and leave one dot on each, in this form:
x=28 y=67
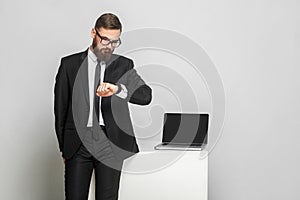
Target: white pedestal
x=165 y=174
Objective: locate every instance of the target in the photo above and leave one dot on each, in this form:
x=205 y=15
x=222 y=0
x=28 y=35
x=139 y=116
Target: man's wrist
x=119 y=88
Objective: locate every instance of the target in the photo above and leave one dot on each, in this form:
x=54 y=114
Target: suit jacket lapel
x=84 y=75
x=110 y=68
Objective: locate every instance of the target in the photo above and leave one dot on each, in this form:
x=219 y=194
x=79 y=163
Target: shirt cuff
x=122 y=91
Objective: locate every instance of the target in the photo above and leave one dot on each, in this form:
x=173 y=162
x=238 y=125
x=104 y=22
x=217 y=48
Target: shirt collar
x=92 y=56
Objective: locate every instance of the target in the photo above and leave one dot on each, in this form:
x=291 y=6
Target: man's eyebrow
x=106 y=38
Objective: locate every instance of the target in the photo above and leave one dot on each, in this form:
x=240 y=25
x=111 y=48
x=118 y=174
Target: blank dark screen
x=185 y=128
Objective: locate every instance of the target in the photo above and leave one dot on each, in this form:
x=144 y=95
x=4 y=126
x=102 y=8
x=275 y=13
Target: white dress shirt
x=92 y=63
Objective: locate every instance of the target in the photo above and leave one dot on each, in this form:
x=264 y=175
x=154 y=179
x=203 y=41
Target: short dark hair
x=108 y=21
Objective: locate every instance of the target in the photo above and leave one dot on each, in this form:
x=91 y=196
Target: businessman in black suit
x=92 y=119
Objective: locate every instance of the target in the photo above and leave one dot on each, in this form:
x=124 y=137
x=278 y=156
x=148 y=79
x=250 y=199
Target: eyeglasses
x=105 y=41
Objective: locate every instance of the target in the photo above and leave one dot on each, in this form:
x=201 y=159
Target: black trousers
x=78 y=173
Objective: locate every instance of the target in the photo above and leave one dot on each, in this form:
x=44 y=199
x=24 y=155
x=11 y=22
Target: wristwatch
x=119 y=88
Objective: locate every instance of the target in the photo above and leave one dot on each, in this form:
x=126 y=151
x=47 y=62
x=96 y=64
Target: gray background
x=254 y=44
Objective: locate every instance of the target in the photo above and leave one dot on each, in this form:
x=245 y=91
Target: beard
x=102 y=53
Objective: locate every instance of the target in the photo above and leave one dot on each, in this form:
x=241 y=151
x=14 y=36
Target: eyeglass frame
x=109 y=41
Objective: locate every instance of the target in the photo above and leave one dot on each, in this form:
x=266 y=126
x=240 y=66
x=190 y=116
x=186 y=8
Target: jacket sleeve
x=61 y=101
x=138 y=91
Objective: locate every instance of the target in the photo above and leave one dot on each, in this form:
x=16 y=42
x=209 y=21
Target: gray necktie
x=97 y=83
x=96 y=99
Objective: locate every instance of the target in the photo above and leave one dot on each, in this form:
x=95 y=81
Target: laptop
x=184 y=131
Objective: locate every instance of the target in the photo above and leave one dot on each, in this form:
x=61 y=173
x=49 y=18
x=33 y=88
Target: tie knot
x=100 y=62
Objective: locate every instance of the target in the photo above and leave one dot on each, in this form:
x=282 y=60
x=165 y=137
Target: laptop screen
x=185 y=128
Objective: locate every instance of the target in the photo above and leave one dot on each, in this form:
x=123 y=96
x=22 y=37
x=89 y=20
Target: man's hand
x=106 y=89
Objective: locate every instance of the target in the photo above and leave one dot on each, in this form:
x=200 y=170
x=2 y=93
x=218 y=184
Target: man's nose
x=110 y=46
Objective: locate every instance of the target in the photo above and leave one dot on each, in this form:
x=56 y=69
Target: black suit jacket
x=71 y=102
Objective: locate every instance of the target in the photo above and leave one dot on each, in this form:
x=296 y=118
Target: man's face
x=104 y=52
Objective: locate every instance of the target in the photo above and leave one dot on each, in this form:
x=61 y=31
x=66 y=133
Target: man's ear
x=93 y=33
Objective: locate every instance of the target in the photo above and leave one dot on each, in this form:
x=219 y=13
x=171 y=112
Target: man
x=92 y=119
